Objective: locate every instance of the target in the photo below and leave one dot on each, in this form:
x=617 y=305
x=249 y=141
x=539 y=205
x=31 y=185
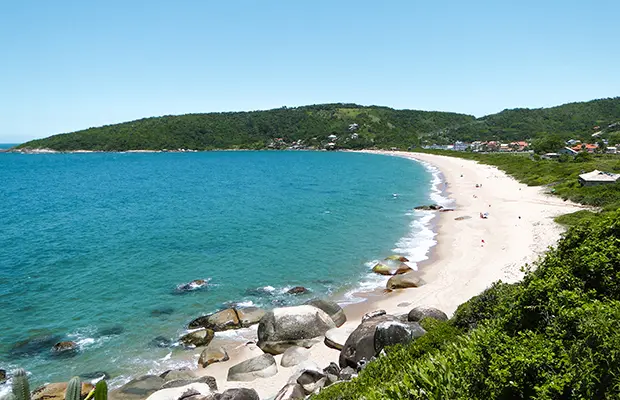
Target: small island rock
x=66 y=346
x=298 y=290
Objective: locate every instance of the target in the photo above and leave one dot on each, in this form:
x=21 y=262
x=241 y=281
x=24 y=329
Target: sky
x=71 y=65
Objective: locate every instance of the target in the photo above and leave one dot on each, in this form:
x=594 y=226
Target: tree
x=547 y=144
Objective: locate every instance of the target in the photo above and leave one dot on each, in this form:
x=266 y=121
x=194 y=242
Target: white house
x=597 y=177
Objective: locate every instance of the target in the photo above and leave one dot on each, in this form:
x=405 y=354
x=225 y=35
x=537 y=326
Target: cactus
x=74 y=389
x=101 y=390
x=21 y=389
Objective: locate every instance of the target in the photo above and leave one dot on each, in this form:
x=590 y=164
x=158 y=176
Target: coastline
x=519 y=229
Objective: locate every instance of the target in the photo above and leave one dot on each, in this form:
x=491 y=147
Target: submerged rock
x=298 y=290
x=111 y=330
x=284 y=327
x=34 y=345
x=161 y=341
x=193 y=285
x=162 y=311
x=262 y=366
x=63 y=347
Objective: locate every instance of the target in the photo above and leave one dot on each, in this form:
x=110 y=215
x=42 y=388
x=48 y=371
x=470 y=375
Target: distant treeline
x=380 y=127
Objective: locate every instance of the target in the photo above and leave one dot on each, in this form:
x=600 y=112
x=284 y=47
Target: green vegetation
x=21 y=389
x=380 y=127
x=555 y=335
x=568 y=121
x=377 y=126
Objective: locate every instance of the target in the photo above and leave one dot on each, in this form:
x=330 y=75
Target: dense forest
x=354 y=126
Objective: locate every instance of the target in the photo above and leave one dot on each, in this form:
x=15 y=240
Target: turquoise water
x=93 y=246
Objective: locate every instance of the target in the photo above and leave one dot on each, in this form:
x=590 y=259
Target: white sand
x=461 y=265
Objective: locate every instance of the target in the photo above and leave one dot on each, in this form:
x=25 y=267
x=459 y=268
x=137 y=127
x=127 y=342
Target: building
x=597 y=177
x=590 y=148
x=568 y=151
x=460 y=146
x=611 y=150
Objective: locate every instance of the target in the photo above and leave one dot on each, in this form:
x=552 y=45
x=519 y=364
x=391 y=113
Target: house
x=573 y=142
x=353 y=127
x=550 y=156
x=597 y=177
x=568 y=151
x=611 y=150
x=354 y=136
x=332 y=138
x=590 y=148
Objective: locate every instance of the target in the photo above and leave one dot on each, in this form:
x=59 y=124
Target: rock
x=361 y=343
x=250 y=315
x=193 y=285
x=419 y=313
x=262 y=366
x=346 y=374
x=336 y=337
x=239 y=394
x=298 y=290
x=373 y=314
x=294 y=355
x=181 y=373
x=332 y=371
x=397 y=258
x=56 y=391
x=402 y=269
x=404 y=304
x=284 y=327
x=432 y=207
x=210 y=356
x=96 y=375
x=34 y=345
x=312 y=381
x=382 y=269
x=403 y=281
x=67 y=346
x=209 y=380
x=219 y=321
x=161 y=341
x=2 y=376
x=291 y=391
x=111 y=330
x=331 y=308
x=138 y=389
x=158 y=312
x=389 y=333
x=200 y=337
x=181 y=392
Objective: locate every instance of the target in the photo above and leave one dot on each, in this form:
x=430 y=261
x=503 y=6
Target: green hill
x=573 y=120
x=380 y=126
x=376 y=126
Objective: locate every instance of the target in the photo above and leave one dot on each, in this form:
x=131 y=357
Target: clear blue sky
x=69 y=65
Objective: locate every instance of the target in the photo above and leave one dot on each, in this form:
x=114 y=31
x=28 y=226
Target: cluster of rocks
x=433 y=207
x=402 y=276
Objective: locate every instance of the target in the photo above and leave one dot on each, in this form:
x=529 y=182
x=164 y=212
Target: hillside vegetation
x=555 y=335
x=380 y=127
x=377 y=126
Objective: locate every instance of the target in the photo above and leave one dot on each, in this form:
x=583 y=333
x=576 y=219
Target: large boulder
x=200 y=337
x=419 y=313
x=311 y=380
x=209 y=380
x=336 y=337
x=239 y=394
x=361 y=343
x=294 y=355
x=56 y=391
x=262 y=366
x=138 y=389
x=389 y=333
x=410 y=279
x=382 y=269
x=219 y=321
x=212 y=355
x=284 y=327
x=331 y=308
x=182 y=392
x=291 y=391
x=250 y=315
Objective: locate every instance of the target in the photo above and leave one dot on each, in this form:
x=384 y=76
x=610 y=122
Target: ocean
x=93 y=247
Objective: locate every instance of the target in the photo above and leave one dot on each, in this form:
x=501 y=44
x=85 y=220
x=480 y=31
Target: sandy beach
x=471 y=254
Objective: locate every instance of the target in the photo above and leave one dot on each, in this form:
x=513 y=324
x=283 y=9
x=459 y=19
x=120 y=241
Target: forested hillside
x=312 y=125
x=376 y=126
x=573 y=120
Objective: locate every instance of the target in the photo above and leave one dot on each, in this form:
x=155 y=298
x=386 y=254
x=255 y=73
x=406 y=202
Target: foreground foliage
x=555 y=335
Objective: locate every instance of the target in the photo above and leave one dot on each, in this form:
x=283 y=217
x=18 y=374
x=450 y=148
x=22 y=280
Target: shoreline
x=459 y=266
